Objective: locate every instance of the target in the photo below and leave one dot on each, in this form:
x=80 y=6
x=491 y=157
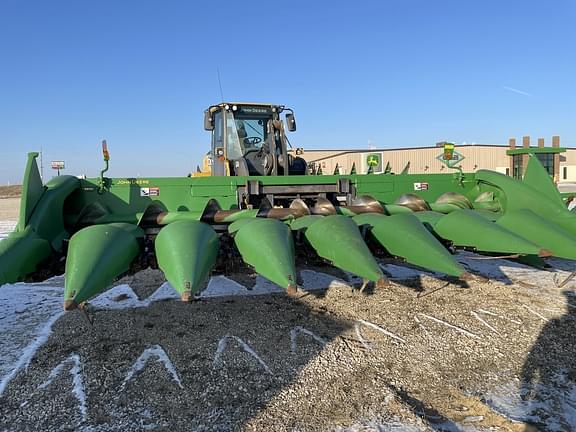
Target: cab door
x=218 y=144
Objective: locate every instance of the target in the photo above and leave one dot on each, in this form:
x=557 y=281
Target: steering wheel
x=253 y=140
x=260 y=161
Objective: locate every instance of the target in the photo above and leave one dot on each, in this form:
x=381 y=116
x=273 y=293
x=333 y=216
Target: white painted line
x=454 y=327
x=28 y=352
x=161 y=357
x=542 y=317
x=294 y=334
x=382 y=330
x=556 y=311
x=222 y=346
x=479 y=318
x=363 y=341
x=563 y=303
x=422 y=327
x=77 y=381
x=482 y=311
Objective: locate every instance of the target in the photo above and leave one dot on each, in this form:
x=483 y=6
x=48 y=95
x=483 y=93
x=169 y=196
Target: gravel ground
x=423 y=354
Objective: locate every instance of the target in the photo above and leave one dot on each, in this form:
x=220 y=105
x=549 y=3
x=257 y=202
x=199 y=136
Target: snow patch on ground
x=222 y=345
x=123 y=297
x=77 y=381
x=27 y=312
x=535 y=404
x=294 y=335
x=394 y=272
x=6 y=227
x=375 y=426
x=161 y=357
x=402 y=273
x=510 y=272
x=398 y=426
x=118 y=297
x=313 y=280
x=222 y=286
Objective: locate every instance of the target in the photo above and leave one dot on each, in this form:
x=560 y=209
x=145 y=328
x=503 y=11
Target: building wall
x=423 y=160
x=568 y=161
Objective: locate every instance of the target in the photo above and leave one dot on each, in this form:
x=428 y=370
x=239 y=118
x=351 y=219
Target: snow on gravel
x=397 y=272
x=154 y=351
x=558 y=397
x=371 y=425
x=6 y=227
x=28 y=311
x=509 y=272
x=78 y=388
x=123 y=297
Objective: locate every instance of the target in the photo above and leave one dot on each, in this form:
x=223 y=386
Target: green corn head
x=103 y=228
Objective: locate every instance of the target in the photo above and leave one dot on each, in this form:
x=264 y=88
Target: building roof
x=362 y=150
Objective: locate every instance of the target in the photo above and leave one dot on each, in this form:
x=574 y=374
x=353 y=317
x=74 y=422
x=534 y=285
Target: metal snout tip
x=383 y=282
x=545 y=253
x=186 y=296
x=70 y=305
x=292 y=290
x=465 y=276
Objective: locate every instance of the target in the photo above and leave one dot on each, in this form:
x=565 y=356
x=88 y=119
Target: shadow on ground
x=549 y=374
x=217 y=392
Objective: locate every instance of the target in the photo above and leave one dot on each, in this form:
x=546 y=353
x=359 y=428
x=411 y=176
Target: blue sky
x=394 y=73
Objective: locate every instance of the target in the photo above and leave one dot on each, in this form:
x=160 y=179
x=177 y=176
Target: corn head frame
x=101 y=228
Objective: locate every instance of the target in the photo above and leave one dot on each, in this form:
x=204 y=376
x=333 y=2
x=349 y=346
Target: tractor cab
x=249 y=139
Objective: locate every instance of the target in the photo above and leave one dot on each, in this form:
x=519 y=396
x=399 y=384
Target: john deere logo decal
x=450 y=157
x=373 y=160
x=448 y=151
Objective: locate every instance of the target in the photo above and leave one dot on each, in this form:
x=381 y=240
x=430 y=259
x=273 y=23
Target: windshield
x=245 y=133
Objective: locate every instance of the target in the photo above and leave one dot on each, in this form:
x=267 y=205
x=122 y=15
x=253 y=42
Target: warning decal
x=150 y=192
x=420 y=186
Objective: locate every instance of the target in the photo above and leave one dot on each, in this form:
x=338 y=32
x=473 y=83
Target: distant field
x=9 y=209
x=10 y=191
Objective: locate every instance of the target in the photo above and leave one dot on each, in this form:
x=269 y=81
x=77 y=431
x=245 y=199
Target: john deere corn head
x=257 y=201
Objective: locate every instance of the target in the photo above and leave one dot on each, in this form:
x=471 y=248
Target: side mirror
x=208 y=121
x=291 y=122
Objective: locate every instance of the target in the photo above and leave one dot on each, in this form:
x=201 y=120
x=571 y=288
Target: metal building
x=508 y=159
